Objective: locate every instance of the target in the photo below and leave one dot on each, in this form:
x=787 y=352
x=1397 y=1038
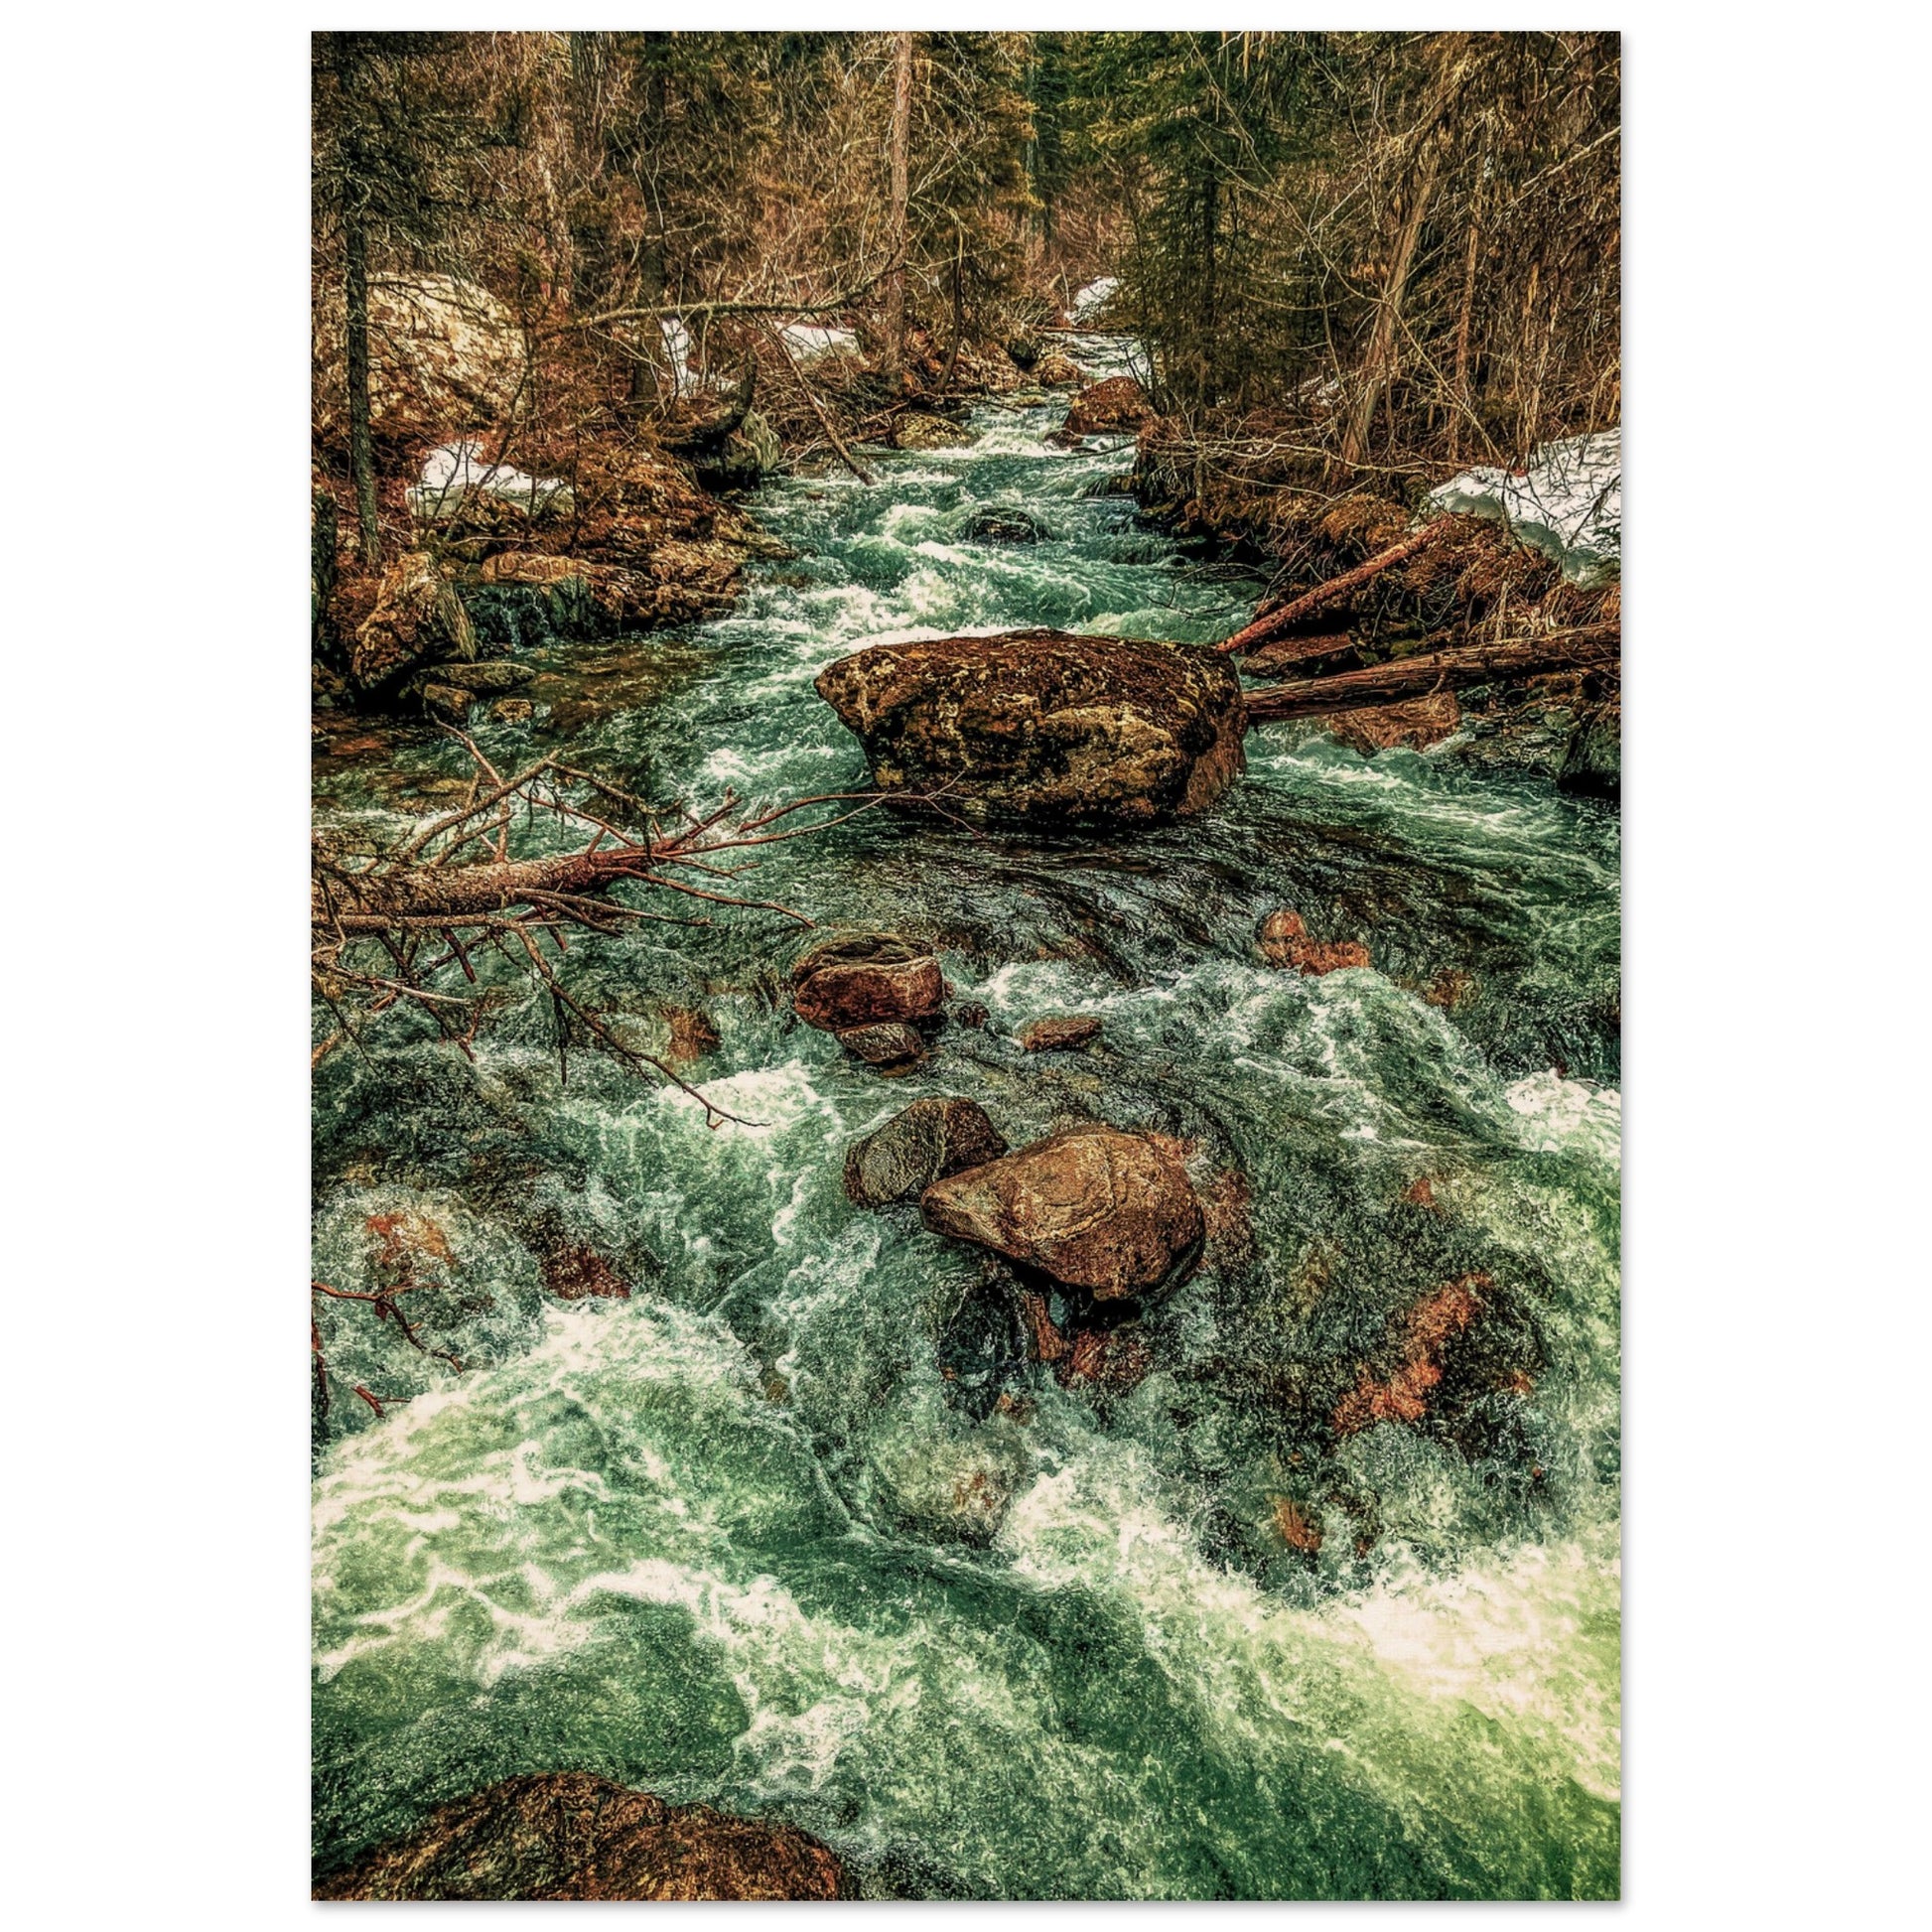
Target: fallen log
x=1306 y=605
x=1288 y=657
x=1585 y=647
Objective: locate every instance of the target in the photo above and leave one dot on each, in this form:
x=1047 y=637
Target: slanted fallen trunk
x=1275 y=621
x=1456 y=669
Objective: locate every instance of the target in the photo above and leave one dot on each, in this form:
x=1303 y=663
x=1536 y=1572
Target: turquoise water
x=763 y=1536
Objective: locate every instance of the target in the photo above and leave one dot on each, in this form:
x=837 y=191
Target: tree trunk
x=896 y=225
x=355 y=296
x=1587 y=647
x=1379 y=364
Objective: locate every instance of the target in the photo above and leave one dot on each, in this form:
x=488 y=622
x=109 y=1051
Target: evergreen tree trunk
x=895 y=228
x=361 y=454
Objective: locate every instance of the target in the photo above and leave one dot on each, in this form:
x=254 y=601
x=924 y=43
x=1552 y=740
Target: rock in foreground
x=871 y=979
x=1045 y=726
x=567 y=1835
x=929 y=1141
x=1093 y=1207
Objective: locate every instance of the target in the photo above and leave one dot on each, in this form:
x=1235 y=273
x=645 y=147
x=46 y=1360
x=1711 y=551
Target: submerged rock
x=870 y=979
x=418 y=619
x=1060 y=1032
x=1091 y=1206
x=888 y=1045
x=1284 y=943
x=1112 y=407
x=492 y=677
x=1005 y=527
x=1042 y=725
x=929 y=1141
x=568 y=1835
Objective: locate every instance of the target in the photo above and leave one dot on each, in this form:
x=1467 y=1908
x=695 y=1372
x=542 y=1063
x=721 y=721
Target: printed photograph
x=965 y=965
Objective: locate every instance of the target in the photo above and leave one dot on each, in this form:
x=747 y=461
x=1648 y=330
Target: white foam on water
x=1557 y=1113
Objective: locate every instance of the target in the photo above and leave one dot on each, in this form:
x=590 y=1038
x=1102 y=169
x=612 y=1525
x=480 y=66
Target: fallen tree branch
x=1586 y=648
x=832 y=436
x=1337 y=588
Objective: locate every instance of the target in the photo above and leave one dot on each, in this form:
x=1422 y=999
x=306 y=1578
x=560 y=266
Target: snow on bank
x=1089 y=301
x=1568 y=502
x=451 y=471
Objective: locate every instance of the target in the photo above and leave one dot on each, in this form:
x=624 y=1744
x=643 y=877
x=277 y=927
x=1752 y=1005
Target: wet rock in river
x=1005 y=527
x=929 y=1141
x=568 y=1835
x=1042 y=725
x=1091 y=1206
x=513 y=711
x=870 y=979
x=919 y=432
x=1060 y=1032
x=1284 y=943
x=1054 y=368
x=491 y=677
x=887 y=1045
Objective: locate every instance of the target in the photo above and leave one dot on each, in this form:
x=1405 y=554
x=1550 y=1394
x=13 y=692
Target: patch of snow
x=809 y=341
x=1089 y=301
x=1568 y=503
x=454 y=469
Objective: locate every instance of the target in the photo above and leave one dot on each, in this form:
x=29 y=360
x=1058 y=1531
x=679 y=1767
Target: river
x=763 y=1536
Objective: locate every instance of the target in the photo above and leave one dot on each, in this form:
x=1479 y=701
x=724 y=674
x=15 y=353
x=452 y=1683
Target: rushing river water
x=764 y=1535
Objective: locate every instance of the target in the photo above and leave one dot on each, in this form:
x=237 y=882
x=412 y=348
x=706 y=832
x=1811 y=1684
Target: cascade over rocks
x=1093 y=1207
x=1046 y=726
x=929 y=1141
x=871 y=979
x=568 y=1835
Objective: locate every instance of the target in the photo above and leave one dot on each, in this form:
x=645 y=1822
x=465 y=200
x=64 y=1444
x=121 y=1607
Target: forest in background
x=1350 y=256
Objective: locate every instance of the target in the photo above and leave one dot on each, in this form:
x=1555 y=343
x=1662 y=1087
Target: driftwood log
x=1585 y=647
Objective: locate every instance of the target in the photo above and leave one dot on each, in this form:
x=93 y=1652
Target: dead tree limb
x=1335 y=589
x=1587 y=648
x=832 y=436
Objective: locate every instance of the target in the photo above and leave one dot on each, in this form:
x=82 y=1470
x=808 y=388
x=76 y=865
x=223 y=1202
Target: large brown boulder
x=444 y=356
x=1108 y=408
x=1043 y=724
x=568 y=1835
x=871 y=979
x=1093 y=1207
x=930 y=1140
x=417 y=620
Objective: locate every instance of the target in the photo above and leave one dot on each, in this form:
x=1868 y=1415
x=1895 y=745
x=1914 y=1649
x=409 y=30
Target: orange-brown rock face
x=567 y=1835
x=1119 y=403
x=875 y=979
x=1093 y=1207
x=1045 y=726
